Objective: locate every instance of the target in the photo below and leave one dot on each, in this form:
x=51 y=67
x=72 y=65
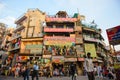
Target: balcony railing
x=20 y=18
x=58 y=29
x=18 y=27
x=90 y=39
x=15 y=48
x=15 y=37
x=59 y=19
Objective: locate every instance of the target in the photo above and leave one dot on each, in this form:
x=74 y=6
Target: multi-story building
x=56 y=41
x=2 y=32
x=31 y=42
x=94 y=42
x=62 y=37
x=5 y=46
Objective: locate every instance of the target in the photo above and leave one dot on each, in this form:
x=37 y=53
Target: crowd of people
x=89 y=69
x=100 y=71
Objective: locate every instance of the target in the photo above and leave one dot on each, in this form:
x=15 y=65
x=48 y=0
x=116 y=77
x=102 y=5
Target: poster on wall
x=89 y=47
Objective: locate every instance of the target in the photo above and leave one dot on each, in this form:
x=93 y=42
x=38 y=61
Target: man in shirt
x=89 y=67
x=35 y=71
x=73 y=71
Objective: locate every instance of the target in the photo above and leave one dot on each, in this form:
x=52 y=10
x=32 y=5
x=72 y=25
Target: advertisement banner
x=61 y=41
x=36 y=51
x=34 y=46
x=113 y=34
x=89 y=47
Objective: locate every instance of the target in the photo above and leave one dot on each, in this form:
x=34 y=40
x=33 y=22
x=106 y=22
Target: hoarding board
x=89 y=47
x=114 y=35
x=61 y=41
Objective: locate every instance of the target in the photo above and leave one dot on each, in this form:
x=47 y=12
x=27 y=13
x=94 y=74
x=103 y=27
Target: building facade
x=31 y=43
x=55 y=41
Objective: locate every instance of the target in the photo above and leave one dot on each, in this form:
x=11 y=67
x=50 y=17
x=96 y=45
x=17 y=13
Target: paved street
x=44 y=78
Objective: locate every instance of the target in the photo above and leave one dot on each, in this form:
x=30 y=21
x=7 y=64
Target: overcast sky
x=106 y=13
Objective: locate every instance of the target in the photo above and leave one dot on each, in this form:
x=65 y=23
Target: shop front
x=58 y=64
x=67 y=64
x=46 y=60
x=80 y=67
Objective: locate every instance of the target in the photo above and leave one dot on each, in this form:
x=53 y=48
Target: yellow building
x=31 y=24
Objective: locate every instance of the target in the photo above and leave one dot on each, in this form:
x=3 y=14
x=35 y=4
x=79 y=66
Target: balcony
x=101 y=42
x=58 y=29
x=18 y=28
x=90 y=39
x=57 y=19
x=14 y=48
x=19 y=19
x=15 y=37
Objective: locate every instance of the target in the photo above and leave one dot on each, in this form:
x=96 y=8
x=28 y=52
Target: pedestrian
x=17 y=69
x=35 y=71
x=73 y=71
x=89 y=67
x=99 y=71
x=26 y=73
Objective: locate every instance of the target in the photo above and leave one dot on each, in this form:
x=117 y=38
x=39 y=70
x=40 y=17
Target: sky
x=105 y=13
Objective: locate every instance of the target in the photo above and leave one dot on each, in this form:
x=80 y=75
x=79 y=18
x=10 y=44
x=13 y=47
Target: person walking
x=99 y=71
x=35 y=71
x=73 y=71
x=26 y=73
x=89 y=67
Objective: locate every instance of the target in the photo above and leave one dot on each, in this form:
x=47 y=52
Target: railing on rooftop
x=55 y=16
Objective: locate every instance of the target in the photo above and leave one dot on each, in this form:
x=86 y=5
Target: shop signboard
x=59 y=41
x=47 y=56
x=34 y=46
x=58 y=59
x=36 y=51
x=90 y=47
x=70 y=59
x=114 y=35
x=22 y=58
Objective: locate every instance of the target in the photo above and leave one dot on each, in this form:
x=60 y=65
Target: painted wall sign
x=89 y=47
